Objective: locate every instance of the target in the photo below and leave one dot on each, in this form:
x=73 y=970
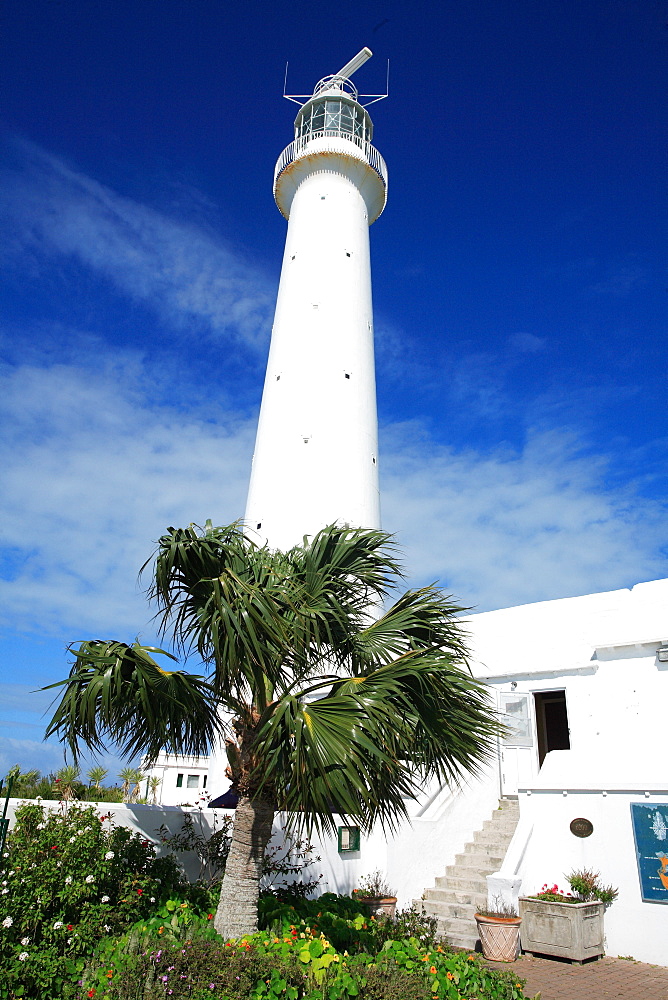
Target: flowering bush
x=585 y=884
x=301 y=965
x=553 y=894
x=68 y=879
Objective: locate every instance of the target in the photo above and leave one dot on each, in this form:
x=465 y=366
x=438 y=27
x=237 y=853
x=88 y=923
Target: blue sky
x=519 y=288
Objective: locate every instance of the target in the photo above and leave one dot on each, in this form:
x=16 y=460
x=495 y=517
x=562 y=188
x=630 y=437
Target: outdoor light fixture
x=662 y=654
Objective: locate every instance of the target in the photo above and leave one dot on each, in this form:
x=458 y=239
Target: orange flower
x=433 y=970
x=449 y=975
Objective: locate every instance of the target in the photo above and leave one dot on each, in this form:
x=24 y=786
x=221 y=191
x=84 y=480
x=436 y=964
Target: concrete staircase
x=463 y=888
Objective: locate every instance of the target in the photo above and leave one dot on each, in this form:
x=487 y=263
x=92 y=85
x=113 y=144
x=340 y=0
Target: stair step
x=457 y=895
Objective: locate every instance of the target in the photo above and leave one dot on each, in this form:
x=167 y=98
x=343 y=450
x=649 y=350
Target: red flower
x=55 y=847
x=91 y=993
x=210 y=916
x=69 y=927
x=139 y=892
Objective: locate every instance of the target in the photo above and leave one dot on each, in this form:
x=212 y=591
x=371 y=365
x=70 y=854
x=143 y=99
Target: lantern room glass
x=333 y=116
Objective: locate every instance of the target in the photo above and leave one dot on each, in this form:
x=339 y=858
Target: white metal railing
x=298 y=147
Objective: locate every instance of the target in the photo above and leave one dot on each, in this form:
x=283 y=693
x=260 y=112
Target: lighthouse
x=316 y=451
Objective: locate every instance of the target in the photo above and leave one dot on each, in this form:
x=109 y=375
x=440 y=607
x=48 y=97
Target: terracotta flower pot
x=379 y=905
x=499 y=937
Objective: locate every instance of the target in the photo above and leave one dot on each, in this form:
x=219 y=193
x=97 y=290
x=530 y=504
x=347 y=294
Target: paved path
x=557 y=979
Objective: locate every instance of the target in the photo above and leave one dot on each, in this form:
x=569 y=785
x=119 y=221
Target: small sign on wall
x=650 y=830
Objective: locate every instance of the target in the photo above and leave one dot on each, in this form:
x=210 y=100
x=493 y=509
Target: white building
x=183 y=780
x=582 y=682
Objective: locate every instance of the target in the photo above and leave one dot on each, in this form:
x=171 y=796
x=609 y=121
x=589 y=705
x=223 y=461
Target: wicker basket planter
x=566 y=930
x=499 y=937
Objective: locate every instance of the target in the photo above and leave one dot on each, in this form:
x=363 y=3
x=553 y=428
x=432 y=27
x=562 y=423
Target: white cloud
x=513 y=527
x=93 y=474
x=29 y=753
x=180 y=270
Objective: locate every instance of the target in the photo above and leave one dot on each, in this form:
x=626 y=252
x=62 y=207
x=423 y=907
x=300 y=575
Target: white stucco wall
x=147 y=820
x=545 y=850
x=167 y=768
x=601 y=650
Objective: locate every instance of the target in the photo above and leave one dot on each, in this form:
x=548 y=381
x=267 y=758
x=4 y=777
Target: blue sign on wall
x=650 y=829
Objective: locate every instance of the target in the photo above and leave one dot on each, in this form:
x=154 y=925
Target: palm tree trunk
x=237 y=909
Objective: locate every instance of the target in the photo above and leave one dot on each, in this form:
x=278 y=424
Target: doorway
x=551 y=723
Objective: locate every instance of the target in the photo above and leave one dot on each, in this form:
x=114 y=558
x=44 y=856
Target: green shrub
x=69 y=879
x=295 y=966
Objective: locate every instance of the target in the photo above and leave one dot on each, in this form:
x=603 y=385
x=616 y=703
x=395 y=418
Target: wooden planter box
x=567 y=930
x=499 y=937
x=379 y=905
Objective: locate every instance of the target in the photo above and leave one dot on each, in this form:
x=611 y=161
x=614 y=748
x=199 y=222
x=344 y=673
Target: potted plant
x=567 y=924
x=376 y=895
x=499 y=932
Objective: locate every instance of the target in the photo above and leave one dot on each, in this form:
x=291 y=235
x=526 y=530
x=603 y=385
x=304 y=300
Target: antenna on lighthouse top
x=353 y=65
x=337 y=81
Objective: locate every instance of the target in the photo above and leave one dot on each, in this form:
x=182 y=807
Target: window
x=204 y=781
x=349 y=839
x=193 y=781
x=334 y=117
x=179 y=781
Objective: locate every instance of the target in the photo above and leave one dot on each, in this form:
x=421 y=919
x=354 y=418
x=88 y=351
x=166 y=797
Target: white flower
x=153 y=899
x=107 y=928
x=6 y=854
x=38 y=799
x=4 y=881
x=58 y=924
x=23 y=956
x=40 y=826
x=105 y=899
x=90 y=878
x=79 y=833
x=59 y=864
x=109 y=855
x=72 y=840
x=68 y=880
x=10 y=875
x=25 y=941
x=4 y=892
x=70 y=940
x=87 y=828
x=7 y=922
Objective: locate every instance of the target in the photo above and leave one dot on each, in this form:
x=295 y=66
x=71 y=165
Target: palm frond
x=371 y=742
x=117 y=693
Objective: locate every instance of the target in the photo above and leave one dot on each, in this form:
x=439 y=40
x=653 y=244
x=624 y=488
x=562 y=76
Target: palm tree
x=65 y=782
x=96 y=776
x=334 y=708
x=154 y=784
x=127 y=776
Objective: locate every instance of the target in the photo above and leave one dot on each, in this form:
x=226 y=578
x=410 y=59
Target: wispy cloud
x=93 y=474
x=516 y=526
x=186 y=274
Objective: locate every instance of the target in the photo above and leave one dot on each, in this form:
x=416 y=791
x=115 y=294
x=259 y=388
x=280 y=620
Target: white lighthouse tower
x=316 y=451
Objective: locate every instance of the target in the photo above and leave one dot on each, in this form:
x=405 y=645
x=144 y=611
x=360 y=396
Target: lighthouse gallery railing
x=297 y=148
